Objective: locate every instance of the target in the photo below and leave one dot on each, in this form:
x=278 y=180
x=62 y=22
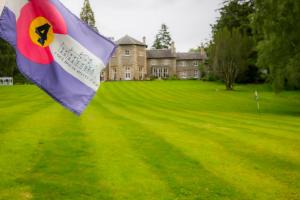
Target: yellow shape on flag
x=41 y=32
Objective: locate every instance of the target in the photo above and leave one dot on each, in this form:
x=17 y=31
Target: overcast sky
x=188 y=20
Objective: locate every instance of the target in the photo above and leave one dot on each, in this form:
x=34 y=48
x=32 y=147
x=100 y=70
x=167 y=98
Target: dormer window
x=127 y=52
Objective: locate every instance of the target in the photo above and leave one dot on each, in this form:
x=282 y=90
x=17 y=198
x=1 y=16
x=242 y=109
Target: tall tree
x=87 y=15
x=278 y=22
x=229 y=53
x=163 y=39
x=236 y=14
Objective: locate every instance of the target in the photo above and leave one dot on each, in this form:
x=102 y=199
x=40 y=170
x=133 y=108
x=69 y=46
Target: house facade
x=133 y=61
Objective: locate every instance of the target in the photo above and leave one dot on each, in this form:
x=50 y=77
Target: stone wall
x=161 y=63
x=188 y=69
x=128 y=63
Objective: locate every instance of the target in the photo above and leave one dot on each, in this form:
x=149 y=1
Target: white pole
x=257 y=100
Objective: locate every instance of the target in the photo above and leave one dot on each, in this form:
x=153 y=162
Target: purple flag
x=55 y=50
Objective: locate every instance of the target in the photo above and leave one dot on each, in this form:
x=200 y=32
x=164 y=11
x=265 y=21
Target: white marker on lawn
x=257 y=100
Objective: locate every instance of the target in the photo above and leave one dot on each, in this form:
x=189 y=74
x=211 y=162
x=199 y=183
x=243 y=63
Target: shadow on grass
x=64 y=167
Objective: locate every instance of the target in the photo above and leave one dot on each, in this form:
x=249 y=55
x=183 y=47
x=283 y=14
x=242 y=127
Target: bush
x=174 y=77
x=152 y=78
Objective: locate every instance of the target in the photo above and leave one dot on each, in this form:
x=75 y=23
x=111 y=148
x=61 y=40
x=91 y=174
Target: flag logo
x=41 y=32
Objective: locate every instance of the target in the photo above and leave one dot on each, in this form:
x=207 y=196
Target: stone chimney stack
x=202 y=52
x=144 y=40
x=173 y=48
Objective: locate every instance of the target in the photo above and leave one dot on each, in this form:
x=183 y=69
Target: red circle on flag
x=32 y=49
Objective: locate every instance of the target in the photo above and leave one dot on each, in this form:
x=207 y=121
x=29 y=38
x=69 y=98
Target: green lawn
x=172 y=140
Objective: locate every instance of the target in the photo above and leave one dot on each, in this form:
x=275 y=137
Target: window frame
x=195 y=63
x=126 y=52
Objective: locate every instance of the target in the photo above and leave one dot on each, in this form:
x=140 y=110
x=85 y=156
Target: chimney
x=202 y=52
x=144 y=40
x=173 y=49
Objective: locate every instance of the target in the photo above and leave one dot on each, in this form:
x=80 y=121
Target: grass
x=151 y=140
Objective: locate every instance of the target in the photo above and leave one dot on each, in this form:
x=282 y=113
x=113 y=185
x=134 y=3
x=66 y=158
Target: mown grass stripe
x=120 y=169
x=63 y=166
x=187 y=178
x=17 y=149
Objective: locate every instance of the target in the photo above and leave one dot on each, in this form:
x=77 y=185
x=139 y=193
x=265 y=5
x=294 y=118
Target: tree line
x=257 y=40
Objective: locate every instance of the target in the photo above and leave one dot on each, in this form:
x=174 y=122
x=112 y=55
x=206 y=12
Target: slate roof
x=160 y=53
x=190 y=56
x=127 y=40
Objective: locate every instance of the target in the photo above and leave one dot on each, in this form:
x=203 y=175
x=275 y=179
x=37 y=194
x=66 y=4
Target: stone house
x=133 y=61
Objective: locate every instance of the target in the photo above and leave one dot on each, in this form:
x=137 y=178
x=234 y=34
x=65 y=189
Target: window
x=114 y=74
x=196 y=63
x=160 y=72
x=141 y=73
x=196 y=73
x=154 y=72
x=166 y=73
x=182 y=64
x=127 y=73
x=127 y=52
x=183 y=75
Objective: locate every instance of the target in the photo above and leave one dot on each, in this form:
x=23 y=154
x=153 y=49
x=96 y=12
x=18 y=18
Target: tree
x=195 y=50
x=237 y=14
x=229 y=53
x=8 y=66
x=87 y=15
x=278 y=23
x=163 y=39
x=7 y=59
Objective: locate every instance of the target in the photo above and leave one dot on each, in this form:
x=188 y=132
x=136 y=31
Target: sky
x=188 y=20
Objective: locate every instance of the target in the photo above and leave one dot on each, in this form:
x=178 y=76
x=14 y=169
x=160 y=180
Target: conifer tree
x=87 y=15
x=163 y=39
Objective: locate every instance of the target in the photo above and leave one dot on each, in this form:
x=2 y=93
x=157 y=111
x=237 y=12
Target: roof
x=160 y=53
x=127 y=40
x=190 y=56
